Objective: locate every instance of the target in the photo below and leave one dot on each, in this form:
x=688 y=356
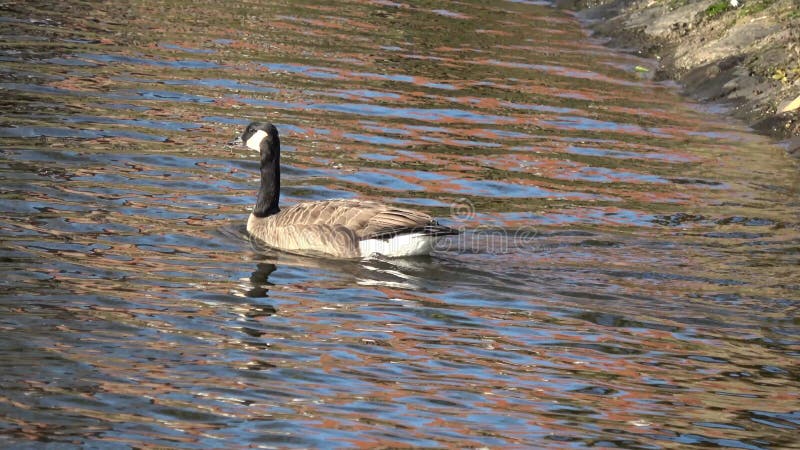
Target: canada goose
x=338 y=228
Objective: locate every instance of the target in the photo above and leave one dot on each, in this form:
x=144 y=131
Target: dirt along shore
x=744 y=54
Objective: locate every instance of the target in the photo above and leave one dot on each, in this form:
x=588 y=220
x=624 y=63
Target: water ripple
x=625 y=276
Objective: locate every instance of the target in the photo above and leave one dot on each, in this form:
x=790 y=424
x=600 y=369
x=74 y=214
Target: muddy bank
x=745 y=55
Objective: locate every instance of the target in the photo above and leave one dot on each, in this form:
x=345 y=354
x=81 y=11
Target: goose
x=344 y=228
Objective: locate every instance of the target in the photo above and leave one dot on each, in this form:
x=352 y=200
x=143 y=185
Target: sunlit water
x=627 y=276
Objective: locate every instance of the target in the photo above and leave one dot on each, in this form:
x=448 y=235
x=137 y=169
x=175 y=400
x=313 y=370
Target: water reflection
x=626 y=276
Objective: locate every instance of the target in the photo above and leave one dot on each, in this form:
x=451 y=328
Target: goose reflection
x=259 y=280
x=407 y=273
x=256 y=287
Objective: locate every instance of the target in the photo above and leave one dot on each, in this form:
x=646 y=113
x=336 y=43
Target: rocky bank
x=743 y=53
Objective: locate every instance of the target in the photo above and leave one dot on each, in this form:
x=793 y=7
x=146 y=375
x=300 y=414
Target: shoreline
x=744 y=57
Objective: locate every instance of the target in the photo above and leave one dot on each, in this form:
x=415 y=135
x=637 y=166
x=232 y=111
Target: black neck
x=270 y=191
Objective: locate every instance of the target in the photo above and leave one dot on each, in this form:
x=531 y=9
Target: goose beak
x=236 y=141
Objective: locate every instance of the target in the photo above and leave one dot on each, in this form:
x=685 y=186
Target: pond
x=626 y=276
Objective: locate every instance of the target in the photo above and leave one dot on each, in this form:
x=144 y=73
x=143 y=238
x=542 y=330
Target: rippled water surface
x=627 y=276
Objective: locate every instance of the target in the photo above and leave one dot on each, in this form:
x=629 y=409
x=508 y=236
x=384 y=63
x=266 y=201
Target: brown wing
x=393 y=221
x=367 y=219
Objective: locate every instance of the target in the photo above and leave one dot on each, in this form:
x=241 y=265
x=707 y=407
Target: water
x=627 y=276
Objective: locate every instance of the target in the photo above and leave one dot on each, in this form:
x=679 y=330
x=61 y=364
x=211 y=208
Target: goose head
x=262 y=137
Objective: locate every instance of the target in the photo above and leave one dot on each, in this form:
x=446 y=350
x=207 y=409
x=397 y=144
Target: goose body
x=338 y=228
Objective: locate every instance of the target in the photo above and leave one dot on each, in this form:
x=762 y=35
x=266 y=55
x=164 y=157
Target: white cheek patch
x=255 y=140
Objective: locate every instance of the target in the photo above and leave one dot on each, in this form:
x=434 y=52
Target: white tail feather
x=401 y=245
